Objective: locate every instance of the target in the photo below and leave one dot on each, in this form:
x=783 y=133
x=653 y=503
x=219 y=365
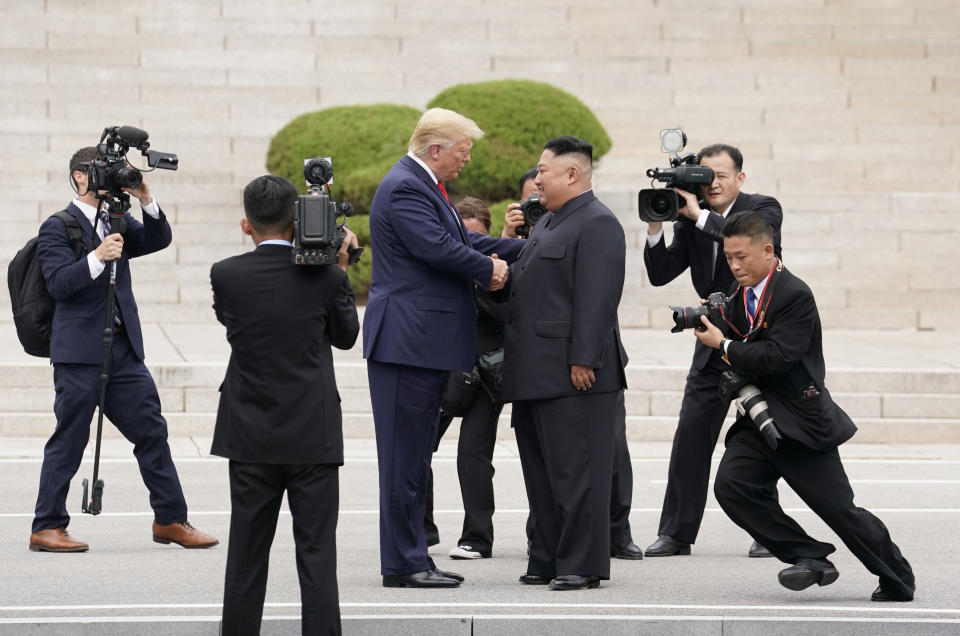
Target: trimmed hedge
x=517 y=117
x=364 y=142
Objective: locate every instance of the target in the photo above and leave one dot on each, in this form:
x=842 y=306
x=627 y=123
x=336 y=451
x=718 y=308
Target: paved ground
x=127 y=584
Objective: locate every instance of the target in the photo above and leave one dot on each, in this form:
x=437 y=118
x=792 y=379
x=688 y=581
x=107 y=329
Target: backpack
x=32 y=304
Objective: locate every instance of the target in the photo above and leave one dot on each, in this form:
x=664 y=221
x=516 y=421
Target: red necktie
x=443 y=191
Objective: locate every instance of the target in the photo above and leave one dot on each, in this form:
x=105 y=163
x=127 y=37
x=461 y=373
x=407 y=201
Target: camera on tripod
x=532 y=211
x=663 y=204
x=111 y=172
x=317 y=236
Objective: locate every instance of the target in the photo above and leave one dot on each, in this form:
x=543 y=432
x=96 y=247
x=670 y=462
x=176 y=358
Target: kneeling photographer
x=716 y=175
x=775 y=348
x=279 y=419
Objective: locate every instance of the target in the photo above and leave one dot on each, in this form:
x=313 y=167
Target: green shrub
x=360 y=272
x=364 y=142
x=517 y=117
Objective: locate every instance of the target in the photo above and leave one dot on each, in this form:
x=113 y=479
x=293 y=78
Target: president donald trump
x=419 y=325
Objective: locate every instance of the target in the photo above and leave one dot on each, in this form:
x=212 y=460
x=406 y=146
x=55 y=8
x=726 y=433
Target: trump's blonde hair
x=441 y=127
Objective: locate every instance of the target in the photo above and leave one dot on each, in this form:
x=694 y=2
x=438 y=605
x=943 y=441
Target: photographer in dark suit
x=775 y=343
x=563 y=369
x=132 y=403
x=696 y=245
x=279 y=416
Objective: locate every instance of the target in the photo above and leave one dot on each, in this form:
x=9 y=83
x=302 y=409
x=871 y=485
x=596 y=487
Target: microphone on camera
x=132 y=136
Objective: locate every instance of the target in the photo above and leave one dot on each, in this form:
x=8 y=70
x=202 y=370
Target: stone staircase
x=890 y=403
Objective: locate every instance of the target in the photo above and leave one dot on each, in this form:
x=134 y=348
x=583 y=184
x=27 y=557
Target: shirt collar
x=758 y=288
x=727 y=211
x=275 y=242
x=423 y=165
x=88 y=210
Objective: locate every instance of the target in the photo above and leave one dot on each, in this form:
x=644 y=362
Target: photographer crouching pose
x=563 y=369
x=279 y=420
x=79 y=287
x=696 y=245
x=775 y=344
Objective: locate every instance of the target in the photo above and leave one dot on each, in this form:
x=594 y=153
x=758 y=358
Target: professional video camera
x=532 y=211
x=110 y=171
x=713 y=309
x=750 y=402
x=316 y=234
x=662 y=204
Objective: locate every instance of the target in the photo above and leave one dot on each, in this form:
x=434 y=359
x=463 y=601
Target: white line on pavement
x=615 y=606
x=927 y=482
x=455 y=511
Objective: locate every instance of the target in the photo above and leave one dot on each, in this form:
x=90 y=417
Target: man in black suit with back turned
x=697 y=245
x=563 y=369
x=775 y=343
x=279 y=416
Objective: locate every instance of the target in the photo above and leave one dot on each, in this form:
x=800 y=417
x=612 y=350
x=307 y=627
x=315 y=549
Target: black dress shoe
x=667 y=546
x=574 y=582
x=806 y=573
x=631 y=551
x=881 y=595
x=757 y=551
x=429 y=578
x=450 y=575
x=534 y=579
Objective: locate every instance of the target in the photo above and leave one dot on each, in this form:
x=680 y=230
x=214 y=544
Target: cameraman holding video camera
x=775 y=342
x=279 y=420
x=79 y=288
x=696 y=245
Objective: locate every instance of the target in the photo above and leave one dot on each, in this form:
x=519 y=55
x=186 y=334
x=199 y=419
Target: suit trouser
x=566 y=452
x=256 y=491
x=406 y=410
x=621 y=486
x=133 y=405
x=701 y=417
x=746 y=488
x=475 y=446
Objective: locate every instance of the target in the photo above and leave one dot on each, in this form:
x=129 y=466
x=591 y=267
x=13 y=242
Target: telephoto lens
x=755 y=406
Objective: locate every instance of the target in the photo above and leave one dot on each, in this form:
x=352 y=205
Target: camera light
x=672 y=140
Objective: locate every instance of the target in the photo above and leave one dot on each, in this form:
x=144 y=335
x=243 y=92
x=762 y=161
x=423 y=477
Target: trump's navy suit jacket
x=421 y=310
x=81 y=302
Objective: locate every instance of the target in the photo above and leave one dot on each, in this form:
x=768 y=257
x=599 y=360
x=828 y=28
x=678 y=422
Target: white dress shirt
x=96 y=267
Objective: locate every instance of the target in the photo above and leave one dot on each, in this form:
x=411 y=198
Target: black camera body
x=111 y=171
x=317 y=234
x=687 y=317
x=532 y=211
x=663 y=204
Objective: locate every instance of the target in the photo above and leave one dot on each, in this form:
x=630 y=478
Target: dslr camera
x=111 y=172
x=663 y=204
x=687 y=317
x=532 y=211
x=317 y=236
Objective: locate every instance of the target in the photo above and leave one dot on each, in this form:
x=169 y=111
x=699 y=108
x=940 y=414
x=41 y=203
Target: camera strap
x=760 y=311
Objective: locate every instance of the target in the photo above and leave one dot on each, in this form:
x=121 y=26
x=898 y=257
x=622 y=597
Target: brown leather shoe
x=55 y=540
x=182 y=533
